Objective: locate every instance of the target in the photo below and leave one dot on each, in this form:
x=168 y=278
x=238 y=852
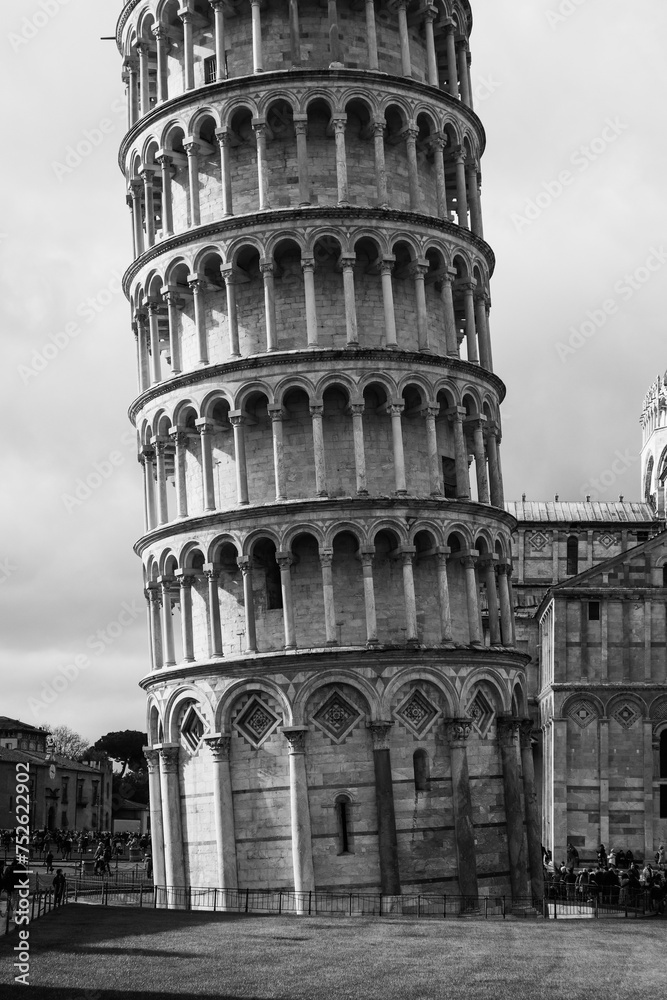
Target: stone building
x=335 y=693
x=64 y=794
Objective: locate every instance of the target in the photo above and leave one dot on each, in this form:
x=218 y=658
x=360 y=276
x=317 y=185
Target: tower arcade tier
x=326 y=552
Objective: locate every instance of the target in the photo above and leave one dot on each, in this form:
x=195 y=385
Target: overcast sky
x=574 y=207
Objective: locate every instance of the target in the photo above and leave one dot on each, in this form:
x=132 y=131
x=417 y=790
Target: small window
x=343 y=809
x=572 y=556
x=594 y=611
x=663 y=754
x=421 y=770
x=210 y=69
x=663 y=801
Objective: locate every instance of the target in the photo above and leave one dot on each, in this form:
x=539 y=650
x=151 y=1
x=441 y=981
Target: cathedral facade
x=336 y=698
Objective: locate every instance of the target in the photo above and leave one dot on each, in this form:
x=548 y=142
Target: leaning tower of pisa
x=334 y=694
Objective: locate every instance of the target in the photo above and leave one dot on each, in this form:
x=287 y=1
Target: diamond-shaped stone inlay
x=583 y=713
x=626 y=715
x=417 y=712
x=256 y=722
x=607 y=540
x=538 y=540
x=193 y=728
x=481 y=713
x=336 y=717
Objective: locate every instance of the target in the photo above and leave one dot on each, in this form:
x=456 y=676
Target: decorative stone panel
x=583 y=713
x=417 y=713
x=626 y=715
x=256 y=722
x=337 y=717
x=480 y=710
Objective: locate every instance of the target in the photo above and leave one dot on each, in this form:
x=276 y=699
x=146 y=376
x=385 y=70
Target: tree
x=125 y=748
x=65 y=742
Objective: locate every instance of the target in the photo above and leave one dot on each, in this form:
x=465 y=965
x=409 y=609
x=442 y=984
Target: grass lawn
x=97 y=953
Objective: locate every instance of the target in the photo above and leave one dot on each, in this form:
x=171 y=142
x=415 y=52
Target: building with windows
x=64 y=794
x=319 y=425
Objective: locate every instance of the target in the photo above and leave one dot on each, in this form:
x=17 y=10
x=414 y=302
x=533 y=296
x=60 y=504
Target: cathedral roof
x=555 y=511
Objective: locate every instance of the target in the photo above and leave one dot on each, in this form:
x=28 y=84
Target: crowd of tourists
x=617 y=879
x=64 y=844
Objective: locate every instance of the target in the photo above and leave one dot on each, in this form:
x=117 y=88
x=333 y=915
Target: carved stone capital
x=169 y=756
x=526 y=733
x=326 y=557
x=220 y=746
x=380 y=734
x=507 y=726
x=458 y=731
x=152 y=759
x=296 y=738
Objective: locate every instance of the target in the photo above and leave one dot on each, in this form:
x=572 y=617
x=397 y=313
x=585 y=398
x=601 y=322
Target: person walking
x=59 y=887
x=48 y=861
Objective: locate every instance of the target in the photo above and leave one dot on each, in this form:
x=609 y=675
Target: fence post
x=280 y=902
x=503 y=907
x=419 y=906
x=486 y=907
x=597 y=905
x=141 y=895
x=246 y=899
x=310 y=900
x=444 y=907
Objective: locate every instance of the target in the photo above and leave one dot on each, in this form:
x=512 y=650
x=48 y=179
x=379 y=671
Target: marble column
x=186 y=17
x=488 y=566
x=285 y=560
x=316 y=413
x=395 y=411
x=430 y=15
x=371 y=35
x=447 y=296
x=506 y=610
x=461 y=193
x=144 y=87
x=357 y=410
x=347 y=262
x=157 y=830
x=407 y=556
x=457 y=414
x=308 y=268
x=153 y=594
x=464 y=79
x=219 y=33
x=148 y=462
x=180 y=445
x=434 y=463
x=154 y=334
x=477 y=424
x=469 y=560
x=232 y=314
x=277 y=414
x=532 y=811
x=390 y=879
x=160 y=444
x=142 y=351
x=442 y=553
x=237 y=420
x=147 y=175
x=257 y=53
x=482 y=326
x=418 y=272
x=167 y=621
x=174 y=868
x=191 y=147
x=386 y=267
x=508 y=727
x=197 y=286
x=495 y=478
x=225 y=141
x=174 y=305
x=167 y=170
x=406 y=65
x=301 y=132
x=259 y=128
x=458 y=731
x=474 y=200
x=411 y=134
x=378 y=127
x=205 y=429
x=136 y=189
x=468 y=288
x=185 y=580
x=452 y=71
x=366 y=555
x=223 y=807
x=267 y=268
x=245 y=566
x=437 y=144
x=326 y=557
x=339 y=124
x=302 y=845
x=212 y=574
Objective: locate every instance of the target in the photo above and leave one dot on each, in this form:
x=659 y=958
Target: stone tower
x=334 y=696
x=654 y=445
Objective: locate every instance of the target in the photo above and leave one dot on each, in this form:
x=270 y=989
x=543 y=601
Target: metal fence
x=40 y=902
